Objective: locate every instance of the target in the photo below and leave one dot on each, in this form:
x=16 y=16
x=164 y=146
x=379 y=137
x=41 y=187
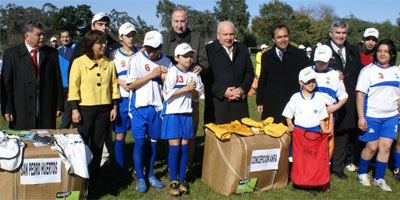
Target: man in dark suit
x=31 y=88
x=346 y=59
x=280 y=67
x=230 y=76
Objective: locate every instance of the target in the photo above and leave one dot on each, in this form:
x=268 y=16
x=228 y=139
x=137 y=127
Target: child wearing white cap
x=181 y=87
x=307 y=107
x=122 y=124
x=146 y=72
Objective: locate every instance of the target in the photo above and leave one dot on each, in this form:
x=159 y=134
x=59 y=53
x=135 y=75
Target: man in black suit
x=230 y=76
x=31 y=86
x=346 y=59
x=280 y=67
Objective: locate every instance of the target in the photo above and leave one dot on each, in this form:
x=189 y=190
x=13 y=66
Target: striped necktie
x=341 y=57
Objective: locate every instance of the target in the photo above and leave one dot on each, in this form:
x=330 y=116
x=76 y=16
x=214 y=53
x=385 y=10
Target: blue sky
x=368 y=10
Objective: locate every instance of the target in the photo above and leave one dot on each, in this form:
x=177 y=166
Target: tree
x=319 y=11
x=236 y=12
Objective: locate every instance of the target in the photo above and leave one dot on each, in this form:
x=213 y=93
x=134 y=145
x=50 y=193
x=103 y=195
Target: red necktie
x=34 y=59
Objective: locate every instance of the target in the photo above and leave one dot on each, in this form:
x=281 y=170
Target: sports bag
x=310 y=158
x=11 y=151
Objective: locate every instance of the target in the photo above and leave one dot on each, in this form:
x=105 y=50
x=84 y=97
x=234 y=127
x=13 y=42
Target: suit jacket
x=171 y=40
x=22 y=94
x=224 y=73
x=279 y=80
x=346 y=116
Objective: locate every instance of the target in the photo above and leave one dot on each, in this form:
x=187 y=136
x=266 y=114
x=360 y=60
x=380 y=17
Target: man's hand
x=260 y=109
x=59 y=113
x=197 y=69
x=76 y=116
x=8 y=117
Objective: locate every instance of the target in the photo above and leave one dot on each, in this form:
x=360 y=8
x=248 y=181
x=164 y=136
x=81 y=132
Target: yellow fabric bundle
x=224 y=131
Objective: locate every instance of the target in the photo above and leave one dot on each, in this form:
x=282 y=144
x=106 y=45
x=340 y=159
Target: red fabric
x=34 y=59
x=310 y=158
x=366 y=59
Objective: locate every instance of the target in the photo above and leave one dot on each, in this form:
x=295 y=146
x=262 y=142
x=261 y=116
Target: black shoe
x=341 y=175
x=397 y=174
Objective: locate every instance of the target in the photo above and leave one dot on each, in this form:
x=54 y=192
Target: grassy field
x=349 y=189
x=340 y=189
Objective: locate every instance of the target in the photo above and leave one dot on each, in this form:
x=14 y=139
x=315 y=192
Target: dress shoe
x=341 y=175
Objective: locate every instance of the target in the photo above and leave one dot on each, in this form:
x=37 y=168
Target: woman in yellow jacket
x=93 y=94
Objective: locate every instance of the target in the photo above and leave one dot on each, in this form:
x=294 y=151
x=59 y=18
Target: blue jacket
x=64 y=57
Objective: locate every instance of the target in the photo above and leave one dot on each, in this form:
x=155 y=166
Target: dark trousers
x=354 y=149
x=94 y=128
x=66 y=118
x=341 y=147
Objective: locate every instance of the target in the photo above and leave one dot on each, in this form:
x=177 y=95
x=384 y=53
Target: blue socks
x=380 y=170
x=151 y=151
x=182 y=167
x=396 y=159
x=173 y=157
x=363 y=166
x=138 y=156
x=119 y=153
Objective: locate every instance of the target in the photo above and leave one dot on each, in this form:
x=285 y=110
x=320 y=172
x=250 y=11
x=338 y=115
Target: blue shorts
x=146 y=120
x=379 y=127
x=177 y=126
x=122 y=123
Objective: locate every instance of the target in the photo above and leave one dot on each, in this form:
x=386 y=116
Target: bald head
x=226 y=33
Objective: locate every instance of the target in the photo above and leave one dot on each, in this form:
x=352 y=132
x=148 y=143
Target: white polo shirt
x=330 y=86
x=121 y=61
x=307 y=112
x=140 y=65
x=381 y=88
x=176 y=79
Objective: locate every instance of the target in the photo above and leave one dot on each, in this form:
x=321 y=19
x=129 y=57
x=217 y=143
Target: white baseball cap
x=302 y=46
x=264 y=46
x=371 y=32
x=53 y=39
x=153 y=39
x=126 y=28
x=183 y=49
x=307 y=74
x=99 y=16
x=319 y=44
x=323 y=53
x=308 y=49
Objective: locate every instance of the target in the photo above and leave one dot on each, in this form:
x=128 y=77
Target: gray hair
x=338 y=23
x=179 y=8
x=32 y=24
x=225 y=22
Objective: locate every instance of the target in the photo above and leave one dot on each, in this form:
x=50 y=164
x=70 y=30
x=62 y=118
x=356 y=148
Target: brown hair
x=92 y=37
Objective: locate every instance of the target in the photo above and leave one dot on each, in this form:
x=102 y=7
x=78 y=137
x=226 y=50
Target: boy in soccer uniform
x=181 y=87
x=146 y=71
x=122 y=124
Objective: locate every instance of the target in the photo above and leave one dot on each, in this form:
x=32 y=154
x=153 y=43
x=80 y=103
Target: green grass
x=340 y=189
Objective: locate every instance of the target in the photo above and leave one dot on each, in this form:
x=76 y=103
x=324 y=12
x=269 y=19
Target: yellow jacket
x=258 y=63
x=93 y=84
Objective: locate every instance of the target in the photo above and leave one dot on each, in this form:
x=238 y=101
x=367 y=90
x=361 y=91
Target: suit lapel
x=42 y=56
x=25 y=55
x=235 y=52
x=223 y=51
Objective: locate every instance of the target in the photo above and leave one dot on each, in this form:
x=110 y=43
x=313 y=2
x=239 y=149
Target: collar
x=380 y=66
x=186 y=36
x=30 y=48
x=301 y=93
x=181 y=69
x=327 y=70
x=146 y=56
x=93 y=64
x=125 y=54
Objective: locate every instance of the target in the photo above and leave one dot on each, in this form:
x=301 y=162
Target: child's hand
x=191 y=85
x=362 y=124
x=291 y=127
x=157 y=71
x=331 y=108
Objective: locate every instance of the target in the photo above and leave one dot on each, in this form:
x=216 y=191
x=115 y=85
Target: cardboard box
x=240 y=159
x=12 y=186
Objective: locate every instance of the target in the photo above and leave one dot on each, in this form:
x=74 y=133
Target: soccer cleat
x=396 y=174
x=382 y=184
x=174 y=188
x=183 y=188
x=155 y=182
x=364 y=179
x=141 y=185
x=351 y=167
